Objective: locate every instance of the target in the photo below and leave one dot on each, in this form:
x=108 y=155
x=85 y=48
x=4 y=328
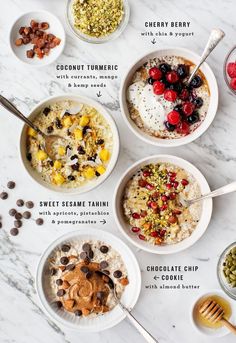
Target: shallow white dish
x=91 y=184
x=125 y=227
x=191 y=56
x=109 y=319
x=55 y=27
x=220 y=332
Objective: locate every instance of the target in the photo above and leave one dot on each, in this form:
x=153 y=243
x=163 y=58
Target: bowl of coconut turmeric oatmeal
x=97 y=21
x=150 y=204
x=86 y=153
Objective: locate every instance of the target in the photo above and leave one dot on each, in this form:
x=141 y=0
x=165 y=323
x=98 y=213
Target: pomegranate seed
x=135 y=229
x=163 y=208
x=142 y=237
x=149 y=186
x=136 y=215
x=172 y=174
x=164 y=198
x=153 y=205
x=154 y=234
x=142 y=183
x=149 y=204
x=175 y=184
x=143 y=214
x=172 y=196
x=155 y=195
x=172 y=219
x=168 y=186
x=162 y=233
x=172 y=178
x=146 y=173
x=176 y=211
x=184 y=182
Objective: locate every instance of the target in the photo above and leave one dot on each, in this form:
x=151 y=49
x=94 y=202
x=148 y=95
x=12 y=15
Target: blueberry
x=196 y=82
x=193 y=118
x=182 y=70
x=164 y=67
x=169 y=126
x=198 y=102
x=178 y=87
x=178 y=108
x=150 y=81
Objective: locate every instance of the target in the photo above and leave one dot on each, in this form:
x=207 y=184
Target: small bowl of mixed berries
x=160 y=106
x=230 y=70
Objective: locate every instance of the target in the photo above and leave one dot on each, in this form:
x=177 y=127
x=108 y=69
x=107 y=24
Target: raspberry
x=173 y=117
x=155 y=73
x=170 y=95
x=158 y=87
x=188 y=108
x=233 y=83
x=183 y=128
x=172 y=77
x=231 y=69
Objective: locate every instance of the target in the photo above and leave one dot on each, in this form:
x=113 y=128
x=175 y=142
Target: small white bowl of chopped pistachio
x=97 y=21
x=87 y=152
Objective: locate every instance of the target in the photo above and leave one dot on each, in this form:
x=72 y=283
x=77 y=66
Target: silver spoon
x=49 y=139
x=215 y=37
x=148 y=337
x=231 y=187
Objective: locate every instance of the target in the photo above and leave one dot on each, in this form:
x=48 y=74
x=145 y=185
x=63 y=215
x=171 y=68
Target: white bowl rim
x=207 y=209
x=43 y=259
x=116 y=142
x=223 y=331
x=63 y=39
x=171 y=142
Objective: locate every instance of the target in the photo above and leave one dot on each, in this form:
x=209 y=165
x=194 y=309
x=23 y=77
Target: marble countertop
x=165 y=313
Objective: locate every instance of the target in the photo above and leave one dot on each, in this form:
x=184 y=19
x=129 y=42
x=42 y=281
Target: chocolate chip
x=18 y=223
x=97 y=173
x=14 y=231
x=92 y=158
x=83 y=255
x=58 y=123
x=29 y=156
x=64 y=260
x=89 y=275
x=85 y=128
x=117 y=274
x=20 y=202
x=4 y=195
x=104 y=249
x=81 y=150
x=18 y=216
x=50 y=129
x=86 y=247
x=46 y=111
x=70 y=266
x=39 y=221
x=86 y=261
x=78 y=313
x=53 y=271
x=59 y=282
x=65 y=247
x=73 y=157
x=26 y=215
x=29 y=204
x=103 y=265
x=106 y=272
x=11 y=184
x=58 y=304
x=84 y=269
x=75 y=166
x=71 y=178
x=90 y=254
x=12 y=212
x=51 y=163
x=100 y=141
x=61 y=292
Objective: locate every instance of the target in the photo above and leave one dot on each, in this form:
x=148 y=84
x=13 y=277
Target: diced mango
x=104 y=155
x=57 y=165
x=78 y=134
x=84 y=120
x=89 y=173
x=58 y=179
x=67 y=122
x=41 y=155
x=101 y=170
x=61 y=150
x=32 y=132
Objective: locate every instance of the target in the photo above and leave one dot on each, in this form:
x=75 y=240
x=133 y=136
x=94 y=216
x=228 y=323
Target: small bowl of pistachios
x=226 y=270
x=97 y=21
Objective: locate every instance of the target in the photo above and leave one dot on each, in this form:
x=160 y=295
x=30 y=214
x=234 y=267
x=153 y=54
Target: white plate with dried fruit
x=69 y=285
x=37 y=38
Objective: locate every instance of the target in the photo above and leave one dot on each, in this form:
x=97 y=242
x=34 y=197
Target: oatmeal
x=161 y=104
x=153 y=203
x=79 y=279
x=85 y=150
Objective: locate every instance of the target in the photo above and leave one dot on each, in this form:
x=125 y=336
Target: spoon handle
x=11 y=108
x=215 y=37
x=230 y=326
x=231 y=187
x=146 y=335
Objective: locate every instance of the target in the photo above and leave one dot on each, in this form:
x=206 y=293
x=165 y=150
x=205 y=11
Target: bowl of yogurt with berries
x=157 y=103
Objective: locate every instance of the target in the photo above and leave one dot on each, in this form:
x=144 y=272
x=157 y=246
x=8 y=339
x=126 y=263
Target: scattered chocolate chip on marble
x=18 y=223
x=4 y=195
x=26 y=215
x=104 y=249
x=12 y=212
x=11 y=185
x=39 y=221
x=70 y=266
x=58 y=304
x=61 y=292
x=86 y=247
x=18 y=216
x=14 y=231
x=65 y=247
x=29 y=204
x=117 y=274
x=64 y=260
x=106 y=272
x=53 y=271
x=90 y=254
x=83 y=255
x=103 y=265
x=84 y=269
x=78 y=313
x=20 y=202
x=59 y=282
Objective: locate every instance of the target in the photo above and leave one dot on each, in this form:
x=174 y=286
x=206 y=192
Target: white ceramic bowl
x=220 y=332
x=55 y=27
x=125 y=227
x=191 y=56
x=109 y=319
x=92 y=183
